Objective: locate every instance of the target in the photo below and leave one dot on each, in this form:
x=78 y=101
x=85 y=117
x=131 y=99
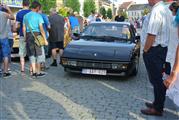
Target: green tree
x=103 y=12
x=64 y=11
x=89 y=5
x=46 y=4
x=146 y=11
x=124 y=13
x=73 y=4
x=109 y=13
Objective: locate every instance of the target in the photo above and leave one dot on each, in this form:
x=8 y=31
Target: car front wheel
x=136 y=67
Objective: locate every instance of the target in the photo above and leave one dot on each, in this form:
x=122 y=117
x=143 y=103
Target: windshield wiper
x=88 y=36
x=109 y=38
x=104 y=38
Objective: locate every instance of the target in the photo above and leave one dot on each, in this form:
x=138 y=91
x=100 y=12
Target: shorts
x=54 y=45
x=5 y=49
x=36 y=59
x=42 y=57
x=11 y=43
x=22 y=47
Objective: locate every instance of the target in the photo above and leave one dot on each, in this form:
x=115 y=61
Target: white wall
x=135 y=13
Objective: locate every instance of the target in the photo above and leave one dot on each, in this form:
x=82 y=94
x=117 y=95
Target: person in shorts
x=4 y=43
x=22 y=44
x=56 y=32
x=33 y=22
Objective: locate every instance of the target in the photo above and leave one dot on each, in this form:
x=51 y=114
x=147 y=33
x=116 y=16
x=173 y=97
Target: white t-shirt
x=91 y=19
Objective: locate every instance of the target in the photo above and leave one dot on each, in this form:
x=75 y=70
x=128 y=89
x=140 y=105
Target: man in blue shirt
x=75 y=26
x=19 y=20
x=33 y=22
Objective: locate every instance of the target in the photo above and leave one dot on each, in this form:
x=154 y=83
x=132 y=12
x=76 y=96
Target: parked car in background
x=104 y=48
x=15 y=49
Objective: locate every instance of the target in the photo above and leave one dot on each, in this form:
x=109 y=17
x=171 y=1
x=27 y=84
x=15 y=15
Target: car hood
x=94 y=50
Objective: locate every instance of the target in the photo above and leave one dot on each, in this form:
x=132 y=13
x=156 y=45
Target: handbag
x=39 y=40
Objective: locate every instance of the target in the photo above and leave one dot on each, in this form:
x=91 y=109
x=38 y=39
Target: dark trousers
x=154 y=60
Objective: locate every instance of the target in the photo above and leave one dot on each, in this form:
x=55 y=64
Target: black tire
x=136 y=67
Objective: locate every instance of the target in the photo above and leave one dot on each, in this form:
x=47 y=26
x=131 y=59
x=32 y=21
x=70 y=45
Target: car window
x=113 y=30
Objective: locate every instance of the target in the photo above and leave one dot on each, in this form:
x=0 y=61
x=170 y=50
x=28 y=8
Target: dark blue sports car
x=104 y=48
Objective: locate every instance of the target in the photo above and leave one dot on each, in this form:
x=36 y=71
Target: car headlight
x=119 y=66
x=64 y=61
x=72 y=63
x=115 y=66
x=124 y=66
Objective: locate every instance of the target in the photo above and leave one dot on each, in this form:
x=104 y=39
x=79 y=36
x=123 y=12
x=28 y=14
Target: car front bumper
x=95 y=67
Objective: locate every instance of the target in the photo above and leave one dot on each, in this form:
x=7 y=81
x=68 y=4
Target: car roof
x=112 y=23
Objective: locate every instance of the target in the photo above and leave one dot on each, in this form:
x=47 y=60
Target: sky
x=137 y=1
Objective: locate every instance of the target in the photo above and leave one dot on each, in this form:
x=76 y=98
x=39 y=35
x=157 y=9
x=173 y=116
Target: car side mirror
x=75 y=36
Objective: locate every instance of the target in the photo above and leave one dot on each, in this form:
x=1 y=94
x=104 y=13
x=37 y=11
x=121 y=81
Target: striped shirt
x=159 y=24
x=144 y=30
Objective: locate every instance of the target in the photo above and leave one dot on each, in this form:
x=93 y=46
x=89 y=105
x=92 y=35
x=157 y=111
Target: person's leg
x=159 y=87
x=6 y=53
x=42 y=59
x=11 y=42
x=155 y=60
x=54 y=57
x=22 y=53
x=54 y=53
x=61 y=47
x=33 y=65
x=38 y=66
x=6 y=64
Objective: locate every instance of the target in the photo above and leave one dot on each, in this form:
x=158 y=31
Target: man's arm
x=9 y=15
x=149 y=42
x=43 y=33
x=24 y=31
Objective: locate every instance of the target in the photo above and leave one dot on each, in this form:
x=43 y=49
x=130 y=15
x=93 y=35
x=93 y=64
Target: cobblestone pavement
x=62 y=96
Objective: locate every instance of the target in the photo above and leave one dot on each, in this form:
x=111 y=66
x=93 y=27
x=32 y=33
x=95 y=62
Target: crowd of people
x=30 y=22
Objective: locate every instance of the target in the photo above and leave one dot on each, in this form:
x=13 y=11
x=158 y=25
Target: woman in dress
x=172 y=82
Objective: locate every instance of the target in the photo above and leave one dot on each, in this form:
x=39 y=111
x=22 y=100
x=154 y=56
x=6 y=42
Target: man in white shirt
x=91 y=18
x=155 y=51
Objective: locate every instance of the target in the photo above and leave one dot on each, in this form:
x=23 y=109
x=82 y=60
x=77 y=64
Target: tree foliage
x=73 y=4
x=103 y=12
x=46 y=4
x=109 y=13
x=146 y=11
x=64 y=11
x=89 y=5
x=123 y=13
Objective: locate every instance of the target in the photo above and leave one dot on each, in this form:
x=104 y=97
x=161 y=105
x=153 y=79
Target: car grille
x=94 y=65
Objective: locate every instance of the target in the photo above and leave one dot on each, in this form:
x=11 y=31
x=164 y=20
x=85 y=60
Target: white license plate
x=94 y=72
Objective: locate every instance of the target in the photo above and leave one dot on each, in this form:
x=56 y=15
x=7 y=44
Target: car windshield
x=109 y=32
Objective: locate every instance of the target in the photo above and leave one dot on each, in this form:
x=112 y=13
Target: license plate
x=94 y=72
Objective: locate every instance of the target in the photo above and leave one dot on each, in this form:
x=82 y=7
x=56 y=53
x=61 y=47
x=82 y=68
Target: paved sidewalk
x=62 y=96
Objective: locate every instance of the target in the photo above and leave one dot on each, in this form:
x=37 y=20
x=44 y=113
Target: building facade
x=136 y=11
